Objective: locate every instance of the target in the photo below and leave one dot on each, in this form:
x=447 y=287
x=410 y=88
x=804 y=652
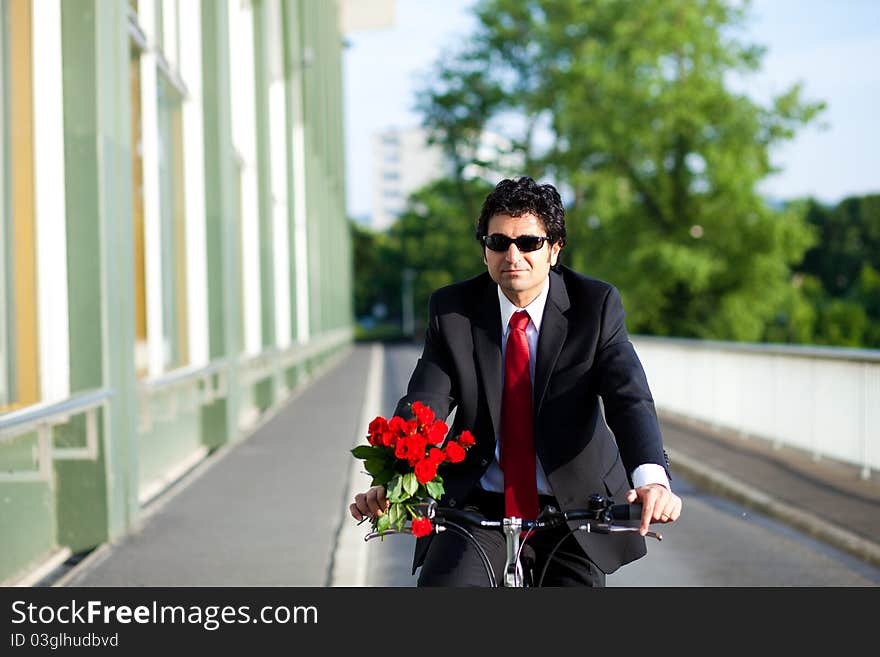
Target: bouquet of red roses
x=403 y=456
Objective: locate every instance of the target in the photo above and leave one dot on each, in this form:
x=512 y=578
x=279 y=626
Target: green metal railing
x=42 y=419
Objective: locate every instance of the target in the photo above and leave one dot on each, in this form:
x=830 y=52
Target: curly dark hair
x=521 y=196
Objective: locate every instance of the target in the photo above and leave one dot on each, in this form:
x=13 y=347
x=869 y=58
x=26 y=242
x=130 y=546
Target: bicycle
x=598 y=517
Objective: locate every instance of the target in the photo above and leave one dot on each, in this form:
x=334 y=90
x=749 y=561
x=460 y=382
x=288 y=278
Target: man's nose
x=513 y=253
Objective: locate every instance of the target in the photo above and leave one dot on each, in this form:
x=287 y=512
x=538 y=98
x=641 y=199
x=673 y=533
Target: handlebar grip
x=626 y=512
x=468 y=517
x=629 y=512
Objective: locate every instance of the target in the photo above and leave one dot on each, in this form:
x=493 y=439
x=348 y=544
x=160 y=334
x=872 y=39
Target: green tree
x=843 y=271
x=627 y=106
x=435 y=237
x=377 y=265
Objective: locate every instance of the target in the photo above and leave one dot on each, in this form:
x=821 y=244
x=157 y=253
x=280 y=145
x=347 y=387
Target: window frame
x=169 y=97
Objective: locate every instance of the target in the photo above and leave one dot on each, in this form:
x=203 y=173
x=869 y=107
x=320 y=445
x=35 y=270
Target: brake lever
x=385 y=532
x=604 y=528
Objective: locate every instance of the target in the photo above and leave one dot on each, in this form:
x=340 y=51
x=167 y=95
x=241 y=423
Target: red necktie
x=517 y=431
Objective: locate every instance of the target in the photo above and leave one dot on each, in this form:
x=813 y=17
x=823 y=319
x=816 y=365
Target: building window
x=158 y=208
x=171 y=187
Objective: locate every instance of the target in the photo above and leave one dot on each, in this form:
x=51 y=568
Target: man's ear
x=555 y=248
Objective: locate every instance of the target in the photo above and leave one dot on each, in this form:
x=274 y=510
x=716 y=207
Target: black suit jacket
x=584 y=354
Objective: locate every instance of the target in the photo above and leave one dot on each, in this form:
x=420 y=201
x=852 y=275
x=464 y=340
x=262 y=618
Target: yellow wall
x=21 y=170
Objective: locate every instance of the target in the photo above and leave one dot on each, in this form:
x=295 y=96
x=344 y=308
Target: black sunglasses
x=525 y=243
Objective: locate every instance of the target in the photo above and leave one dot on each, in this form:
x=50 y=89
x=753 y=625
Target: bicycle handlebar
x=599 y=517
x=552 y=516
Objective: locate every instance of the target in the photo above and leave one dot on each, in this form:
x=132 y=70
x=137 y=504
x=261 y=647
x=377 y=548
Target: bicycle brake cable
x=522 y=544
x=550 y=556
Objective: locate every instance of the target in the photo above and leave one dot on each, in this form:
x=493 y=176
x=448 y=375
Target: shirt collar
x=535 y=309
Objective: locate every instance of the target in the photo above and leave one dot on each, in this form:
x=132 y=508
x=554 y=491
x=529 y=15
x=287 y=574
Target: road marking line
x=350 y=555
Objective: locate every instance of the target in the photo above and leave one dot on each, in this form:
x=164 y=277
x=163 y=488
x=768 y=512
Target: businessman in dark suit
x=524 y=353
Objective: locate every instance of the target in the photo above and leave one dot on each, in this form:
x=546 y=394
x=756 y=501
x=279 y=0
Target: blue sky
x=831 y=46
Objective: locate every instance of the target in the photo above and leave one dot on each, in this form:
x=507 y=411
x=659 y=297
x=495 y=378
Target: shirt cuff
x=650 y=473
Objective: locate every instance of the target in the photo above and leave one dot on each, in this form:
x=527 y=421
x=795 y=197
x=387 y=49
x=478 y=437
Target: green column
x=264 y=33
x=293 y=92
x=220 y=419
x=97 y=500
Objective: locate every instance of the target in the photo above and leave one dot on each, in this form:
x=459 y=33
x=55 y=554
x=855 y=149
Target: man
x=523 y=353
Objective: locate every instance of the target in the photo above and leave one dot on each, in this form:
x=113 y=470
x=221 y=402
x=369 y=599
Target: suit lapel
x=486 y=330
x=554 y=329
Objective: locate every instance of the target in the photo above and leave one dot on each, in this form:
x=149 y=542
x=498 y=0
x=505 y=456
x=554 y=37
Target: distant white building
x=403 y=161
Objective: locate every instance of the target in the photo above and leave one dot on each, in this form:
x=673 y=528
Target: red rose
x=375 y=430
x=397 y=425
x=426 y=470
x=416 y=448
x=436 y=455
x=388 y=439
x=455 y=452
x=423 y=413
x=412 y=427
x=411 y=448
x=437 y=432
x=421 y=527
x=378 y=425
x=466 y=439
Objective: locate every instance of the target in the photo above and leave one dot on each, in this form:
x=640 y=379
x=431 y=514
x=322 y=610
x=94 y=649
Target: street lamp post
x=409 y=276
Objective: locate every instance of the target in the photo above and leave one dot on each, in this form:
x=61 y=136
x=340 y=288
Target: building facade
x=174 y=253
x=404 y=161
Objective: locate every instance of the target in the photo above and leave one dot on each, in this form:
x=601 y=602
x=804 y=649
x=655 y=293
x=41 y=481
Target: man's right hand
x=372 y=504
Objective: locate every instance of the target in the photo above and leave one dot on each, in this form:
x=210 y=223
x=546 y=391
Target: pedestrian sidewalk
x=824 y=498
x=262 y=512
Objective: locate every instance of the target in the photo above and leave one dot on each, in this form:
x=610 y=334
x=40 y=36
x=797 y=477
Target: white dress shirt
x=493 y=478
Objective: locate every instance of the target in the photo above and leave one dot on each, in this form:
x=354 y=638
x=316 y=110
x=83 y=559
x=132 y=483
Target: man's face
x=521 y=276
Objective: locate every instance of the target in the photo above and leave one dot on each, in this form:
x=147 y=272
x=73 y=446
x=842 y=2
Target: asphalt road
x=714 y=544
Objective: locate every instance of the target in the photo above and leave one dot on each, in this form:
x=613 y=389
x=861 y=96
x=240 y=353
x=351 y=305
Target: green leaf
x=397 y=516
x=435 y=489
x=394 y=490
x=384 y=522
x=382 y=478
x=366 y=452
x=375 y=465
x=410 y=483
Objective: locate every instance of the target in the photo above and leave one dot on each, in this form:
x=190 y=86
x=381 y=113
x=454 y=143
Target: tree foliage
x=434 y=238
x=627 y=106
x=840 y=274
x=376 y=274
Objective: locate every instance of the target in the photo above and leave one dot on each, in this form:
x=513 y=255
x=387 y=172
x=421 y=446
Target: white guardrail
x=42 y=419
x=821 y=399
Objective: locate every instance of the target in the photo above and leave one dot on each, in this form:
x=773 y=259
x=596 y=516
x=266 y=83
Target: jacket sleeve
x=432 y=379
x=623 y=386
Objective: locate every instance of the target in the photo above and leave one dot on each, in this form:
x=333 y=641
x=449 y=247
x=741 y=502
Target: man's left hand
x=659 y=504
